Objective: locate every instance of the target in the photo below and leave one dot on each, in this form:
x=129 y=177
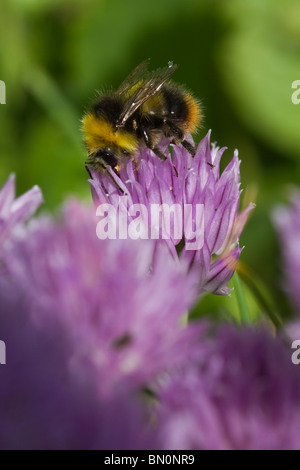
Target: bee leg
x=189 y=147
x=175 y=131
x=105 y=167
x=151 y=146
x=88 y=170
x=179 y=138
x=159 y=154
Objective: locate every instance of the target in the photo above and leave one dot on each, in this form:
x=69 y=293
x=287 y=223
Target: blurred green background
x=240 y=57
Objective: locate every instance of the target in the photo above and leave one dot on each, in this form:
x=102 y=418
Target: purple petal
x=221 y=272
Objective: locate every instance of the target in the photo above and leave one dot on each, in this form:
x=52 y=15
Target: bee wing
x=134 y=77
x=151 y=84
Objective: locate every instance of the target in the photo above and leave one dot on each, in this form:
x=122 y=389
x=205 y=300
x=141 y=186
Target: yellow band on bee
x=99 y=132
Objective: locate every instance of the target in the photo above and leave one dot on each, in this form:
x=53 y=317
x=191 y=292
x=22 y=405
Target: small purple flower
x=242 y=393
x=186 y=183
x=120 y=301
x=13 y=211
x=287 y=221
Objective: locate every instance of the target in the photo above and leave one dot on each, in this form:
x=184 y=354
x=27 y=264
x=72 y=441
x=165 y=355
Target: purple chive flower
x=186 y=182
x=287 y=221
x=15 y=211
x=48 y=403
x=121 y=301
x=243 y=393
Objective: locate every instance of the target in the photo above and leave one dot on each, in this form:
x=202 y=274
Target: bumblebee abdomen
x=153 y=107
x=181 y=107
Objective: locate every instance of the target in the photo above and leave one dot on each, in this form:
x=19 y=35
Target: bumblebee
x=145 y=108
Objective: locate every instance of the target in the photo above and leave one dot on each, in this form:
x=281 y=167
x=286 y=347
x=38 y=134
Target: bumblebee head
x=104 y=157
x=102 y=138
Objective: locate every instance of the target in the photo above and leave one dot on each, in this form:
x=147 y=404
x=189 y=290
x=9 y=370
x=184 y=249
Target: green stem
x=241 y=300
x=261 y=293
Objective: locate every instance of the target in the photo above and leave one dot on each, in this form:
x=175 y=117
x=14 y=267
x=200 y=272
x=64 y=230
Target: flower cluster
x=116 y=298
x=242 y=392
x=287 y=221
x=183 y=181
x=45 y=403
